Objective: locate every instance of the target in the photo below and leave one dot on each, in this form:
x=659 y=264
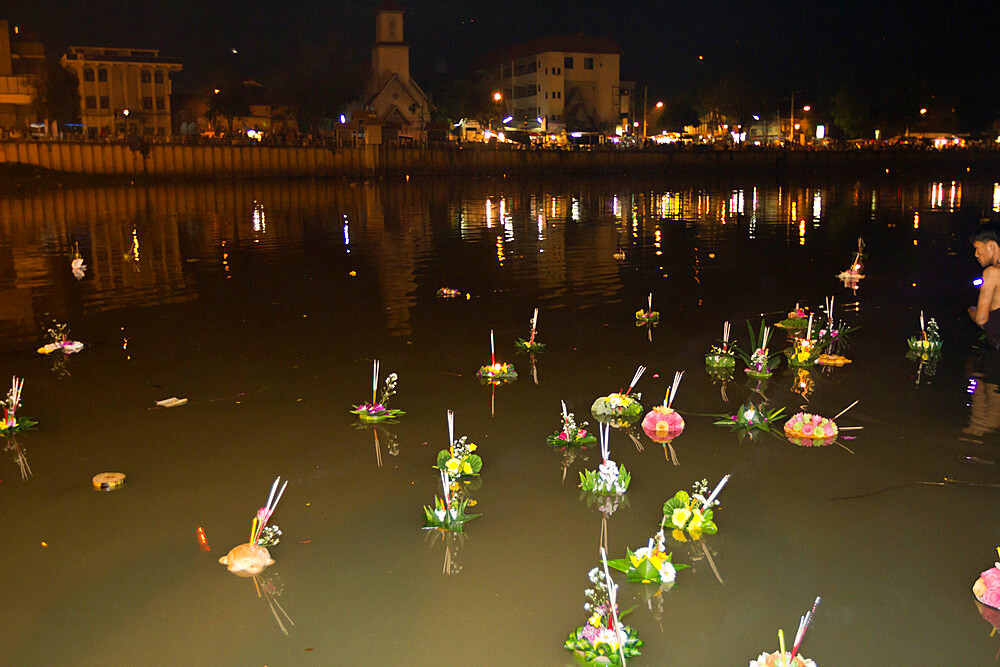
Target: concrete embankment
x=223 y=161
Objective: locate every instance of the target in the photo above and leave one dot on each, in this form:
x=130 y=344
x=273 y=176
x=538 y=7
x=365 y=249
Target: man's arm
x=980 y=313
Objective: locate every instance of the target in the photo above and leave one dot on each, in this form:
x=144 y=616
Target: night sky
x=811 y=47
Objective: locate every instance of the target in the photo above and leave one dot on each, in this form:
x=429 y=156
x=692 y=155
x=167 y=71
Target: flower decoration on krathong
x=496 y=373
x=571 y=435
x=650 y=564
x=662 y=423
x=460 y=459
x=251 y=558
x=58 y=335
x=622 y=408
x=783 y=658
x=648 y=316
x=603 y=639
x=751 y=418
x=929 y=340
x=987 y=586
x=531 y=345
x=796 y=319
x=808 y=426
x=856 y=271
x=11 y=423
x=448 y=513
x=760 y=363
x=691 y=515
x=609 y=479
x=449 y=293
x=76 y=264
x=722 y=355
x=379 y=410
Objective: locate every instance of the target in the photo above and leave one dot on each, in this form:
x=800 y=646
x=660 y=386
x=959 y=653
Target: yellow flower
x=466 y=468
x=680 y=517
x=639 y=313
x=696 y=522
x=453 y=465
x=678 y=535
x=472 y=446
x=595 y=620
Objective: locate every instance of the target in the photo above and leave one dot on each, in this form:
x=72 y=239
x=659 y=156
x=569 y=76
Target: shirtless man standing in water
x=986 y=312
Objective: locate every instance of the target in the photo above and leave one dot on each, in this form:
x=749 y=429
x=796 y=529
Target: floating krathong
x=783 y=658
x=724 y=355
x=59 y=341
x=11 y=424
x=447 y=514
x=531 y=345
x=662 y=423
x=929 y=340
x=496 y=373
x=448 y=293
x=648 y=316
x=571 y=435
x=987 y=586
x=760 y=363
x=690 y=515
x=810 y=430
x=609 y=479
x=76 y=264
x=622 y=408
x=796 y=319
x=251 y=558
x=377 y=411
x=650 y=564
x=832 y=360
x=603 y=640
x=750 y=419
x=460 y=459
x=855 y=272
x=804 y=349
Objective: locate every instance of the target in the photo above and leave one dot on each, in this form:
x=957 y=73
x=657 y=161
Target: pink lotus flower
x=563 y=436
x=991 y=578
x=992 y=597
x=807 y=429
x=590 y=633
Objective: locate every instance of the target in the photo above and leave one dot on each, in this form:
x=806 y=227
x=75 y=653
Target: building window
x=147 y=104
x=160 y=103
x=88 y=74
x=546 y=94
x=568 y=62
x=546 y=70
x=148 y=131
x=90 y=102
x=102 y=74
x=588 y=63
x=145 y=77
x=158 y=76
x=104 y=102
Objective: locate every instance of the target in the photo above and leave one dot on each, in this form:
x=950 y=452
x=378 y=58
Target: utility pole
x=645 y=105
x=791 y=120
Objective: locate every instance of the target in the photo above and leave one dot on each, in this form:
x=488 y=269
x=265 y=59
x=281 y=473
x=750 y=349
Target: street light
x=659 y=105
x=807 y=108
x=497 y=96
x=923 y=112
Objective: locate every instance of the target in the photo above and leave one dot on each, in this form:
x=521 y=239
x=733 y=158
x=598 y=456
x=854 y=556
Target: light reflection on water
x=261 y=303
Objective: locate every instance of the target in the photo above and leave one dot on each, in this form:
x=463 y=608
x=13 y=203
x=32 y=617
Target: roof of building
x=391 y=6
x=559 y=43
x=128 y=55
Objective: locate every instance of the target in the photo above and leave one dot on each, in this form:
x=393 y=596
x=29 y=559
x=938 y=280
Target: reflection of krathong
x=571 y=435
x=750 y=419
x=59 y=341
x=603 y=640
x=650 y=564
x=11 y=424
x=531 y=345
x=20 y=457
x=782 y=658
x=929 y=340
x=377 y=411
x=620 y=409
x=759 y=363
x=460 y=459
x=251 y=558
x=496 y=373
x=648 y=316
x=724 y=355
x=609 y=478
x=690 y=515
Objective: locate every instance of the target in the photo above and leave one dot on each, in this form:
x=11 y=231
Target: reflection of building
x=122 y=91
x=567 y=80
x=21 y=59
x=397 y=99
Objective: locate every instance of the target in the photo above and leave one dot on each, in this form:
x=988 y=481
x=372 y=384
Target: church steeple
x=391 y=55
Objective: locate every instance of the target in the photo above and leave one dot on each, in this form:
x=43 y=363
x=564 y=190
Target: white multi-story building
x=568 y=81
x=122 y=91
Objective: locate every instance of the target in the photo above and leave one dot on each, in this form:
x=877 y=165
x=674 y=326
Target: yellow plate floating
x=108 y=481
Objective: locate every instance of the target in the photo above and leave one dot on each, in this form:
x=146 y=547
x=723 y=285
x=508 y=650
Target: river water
x=263 y=305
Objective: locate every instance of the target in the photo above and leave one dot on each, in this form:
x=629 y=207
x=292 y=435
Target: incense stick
x=493 y=360
x=809 y=329
x=845 y=410
x=725 y=333
x=635 y=378
x=604 y=430
x=650 y=302
x=564 y=413
x=451 y=428
x=613 y=603
x=673 y=389
x=374 y=379
x=534 y=326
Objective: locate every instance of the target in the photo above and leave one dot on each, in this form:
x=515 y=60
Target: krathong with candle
x=496 y=373
x=460 y=459
x=929 y=340
x=650 y=564
x=811 y=430
x=531 y=345
x=856 y=271
x=797 y=319
x=722 y=355
x=379 y=410
x=783 y=658
x=448 y=293
x=11 y=423
x=760 y=363
x=609 y=479
x=59 y=341
x=804 y=350
x=751 y=419
x=251 y=558
x=448 y=512
x=648 y=316
x=690 y=515
x=571 y=435
x=76 y=264
x=987 y=586
x=622 y=408
x=663 y=423
x=603 y=639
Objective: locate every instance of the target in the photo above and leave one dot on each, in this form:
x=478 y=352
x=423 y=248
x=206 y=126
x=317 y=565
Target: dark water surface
x=263 y=305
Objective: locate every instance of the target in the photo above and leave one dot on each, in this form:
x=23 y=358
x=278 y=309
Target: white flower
x=642 y=552
x=667 y=572
x=609 y=637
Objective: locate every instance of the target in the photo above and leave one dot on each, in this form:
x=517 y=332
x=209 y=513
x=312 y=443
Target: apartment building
x=21 y=60
x=122 y=91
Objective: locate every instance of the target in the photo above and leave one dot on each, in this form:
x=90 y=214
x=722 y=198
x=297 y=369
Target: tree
x=55 y=95
x=852 y=116
x=675 y=116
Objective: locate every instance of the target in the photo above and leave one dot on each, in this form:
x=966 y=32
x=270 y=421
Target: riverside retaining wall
x=221 y=161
